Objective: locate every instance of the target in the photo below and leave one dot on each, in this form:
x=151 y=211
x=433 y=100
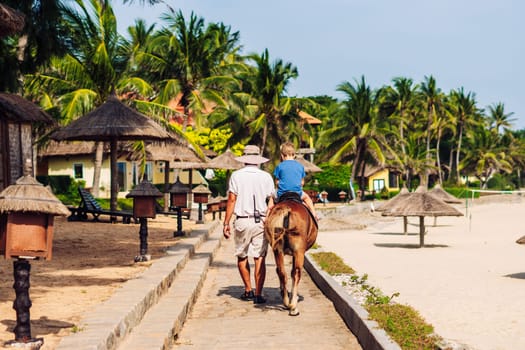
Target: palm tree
x=43 y=36
x=399 y=102
x=92 y=70
x=485 y=156
x=267 y=83
x=467 y=115
x=499 y=119
x=190 y=62
x=432 y=101
x=358 y=131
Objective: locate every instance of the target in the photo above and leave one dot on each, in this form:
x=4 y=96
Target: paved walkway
x=220 y=320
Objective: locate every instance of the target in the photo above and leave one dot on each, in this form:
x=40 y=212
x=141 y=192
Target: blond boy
x=289 y=176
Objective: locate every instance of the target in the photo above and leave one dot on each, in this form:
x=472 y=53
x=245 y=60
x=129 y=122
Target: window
x=78 y=170
x=148 y=172
x=379 y=184
x=392 y=179
x=121 y=176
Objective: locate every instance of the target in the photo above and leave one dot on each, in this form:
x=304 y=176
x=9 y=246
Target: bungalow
x=76 y=159
x=18 y=116
x=378 y=178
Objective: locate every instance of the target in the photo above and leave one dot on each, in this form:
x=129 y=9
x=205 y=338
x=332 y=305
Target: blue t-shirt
x=289 y=173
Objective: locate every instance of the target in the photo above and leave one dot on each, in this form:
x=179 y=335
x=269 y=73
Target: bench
x=89 y=205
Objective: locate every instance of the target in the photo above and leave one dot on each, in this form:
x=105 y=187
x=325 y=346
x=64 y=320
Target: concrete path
x=220 y=320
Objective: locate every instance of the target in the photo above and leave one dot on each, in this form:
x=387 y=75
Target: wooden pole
x=421 y=231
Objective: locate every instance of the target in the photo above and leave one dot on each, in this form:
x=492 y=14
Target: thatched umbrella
x=225 y=161
x=309 y=167
x=421 y=203
x=392 y=203
x=446 y=197
x=11 y=20
x=29 y=195
x=113 y=121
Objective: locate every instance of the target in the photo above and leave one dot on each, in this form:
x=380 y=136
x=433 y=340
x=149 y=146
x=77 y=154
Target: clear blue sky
x=475 y=44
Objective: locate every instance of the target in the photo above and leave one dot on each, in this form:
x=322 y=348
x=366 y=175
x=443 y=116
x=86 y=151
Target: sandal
x=247 y=295
x=259 y=299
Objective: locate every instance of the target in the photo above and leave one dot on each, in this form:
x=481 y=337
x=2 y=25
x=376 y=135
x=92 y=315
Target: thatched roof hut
x=15 y=108
x=29 y=195
x=17 y=117
x=11 y=21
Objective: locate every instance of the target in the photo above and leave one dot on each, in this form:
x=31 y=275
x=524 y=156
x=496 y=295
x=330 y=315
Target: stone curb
x=370 y=336
x=109 y=323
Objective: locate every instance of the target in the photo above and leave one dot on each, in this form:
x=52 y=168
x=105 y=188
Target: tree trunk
x=99 y=154
x=458 y=151
x=438 y=160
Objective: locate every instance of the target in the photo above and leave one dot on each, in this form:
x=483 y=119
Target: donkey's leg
x=298 y=261
x=279 y=263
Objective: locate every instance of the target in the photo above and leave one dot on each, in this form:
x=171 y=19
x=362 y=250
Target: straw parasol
x=11 y=21
x=392 y=201
x=446 y=197
x=309 y=167
x=113 y=121
x=421 y=203
x=225 y=161
x=29 y=195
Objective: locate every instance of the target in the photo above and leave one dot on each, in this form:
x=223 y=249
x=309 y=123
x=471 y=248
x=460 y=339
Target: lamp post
x=27 y=212
x=144 y=195
x=178 y=200
x=200 y=195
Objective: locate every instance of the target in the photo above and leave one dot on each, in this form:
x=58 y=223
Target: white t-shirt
x=248 y=182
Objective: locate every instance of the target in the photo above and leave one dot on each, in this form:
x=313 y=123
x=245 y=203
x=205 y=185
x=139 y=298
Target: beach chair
x=89 y=205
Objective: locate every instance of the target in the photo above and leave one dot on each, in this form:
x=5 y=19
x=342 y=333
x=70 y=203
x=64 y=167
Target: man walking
x=249 y=189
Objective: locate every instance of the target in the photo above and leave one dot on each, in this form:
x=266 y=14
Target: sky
x=477 y=45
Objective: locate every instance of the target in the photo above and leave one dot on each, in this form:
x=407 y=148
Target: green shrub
x=501 y=182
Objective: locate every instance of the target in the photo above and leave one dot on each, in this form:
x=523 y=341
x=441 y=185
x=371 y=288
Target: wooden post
x=421 y=231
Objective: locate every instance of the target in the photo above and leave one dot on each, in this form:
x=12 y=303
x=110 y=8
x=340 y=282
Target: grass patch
x=402 y=323
x=331 y=263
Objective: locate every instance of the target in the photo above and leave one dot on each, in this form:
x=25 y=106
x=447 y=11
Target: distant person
x=289 y=176
x=249 y=189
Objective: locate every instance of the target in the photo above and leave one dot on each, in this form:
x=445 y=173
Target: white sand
x=469 y=279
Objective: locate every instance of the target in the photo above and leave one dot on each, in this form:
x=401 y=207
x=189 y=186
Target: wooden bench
x=89 y=205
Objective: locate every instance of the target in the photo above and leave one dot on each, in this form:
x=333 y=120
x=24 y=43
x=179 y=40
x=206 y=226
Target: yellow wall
x=381 y=175
x=64 y=166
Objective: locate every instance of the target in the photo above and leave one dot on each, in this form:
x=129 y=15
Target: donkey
x=290 y=229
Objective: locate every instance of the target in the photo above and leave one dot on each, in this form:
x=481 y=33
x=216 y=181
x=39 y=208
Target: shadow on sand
x=409 y=246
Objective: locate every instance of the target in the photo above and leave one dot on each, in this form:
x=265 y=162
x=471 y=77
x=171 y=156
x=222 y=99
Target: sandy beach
x=469 y=279
x=90 y=261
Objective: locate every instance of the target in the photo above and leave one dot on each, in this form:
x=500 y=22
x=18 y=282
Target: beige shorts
x=249 y=238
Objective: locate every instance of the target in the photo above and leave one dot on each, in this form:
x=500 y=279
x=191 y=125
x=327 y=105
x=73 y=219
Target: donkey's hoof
x=294 y=312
